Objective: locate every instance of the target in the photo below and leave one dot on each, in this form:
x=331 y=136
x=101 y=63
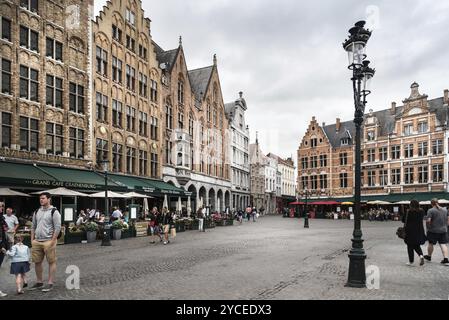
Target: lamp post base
x=306 y=223
x=357 y=270
x=106 y=241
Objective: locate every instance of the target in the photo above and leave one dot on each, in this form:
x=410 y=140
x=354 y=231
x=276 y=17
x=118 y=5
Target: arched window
x=209 y=112
x=169 y=116
x=191 y=122
x=215 y=116
x=180 y=92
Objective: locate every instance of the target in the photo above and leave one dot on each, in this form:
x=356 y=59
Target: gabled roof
x=199 y=79
x=336 y=137
x=286 y=162
x=386 y=121
x=167 y=57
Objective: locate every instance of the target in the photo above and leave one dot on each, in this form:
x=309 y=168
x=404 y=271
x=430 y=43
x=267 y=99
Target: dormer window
x=345 y=141
x=371 y=136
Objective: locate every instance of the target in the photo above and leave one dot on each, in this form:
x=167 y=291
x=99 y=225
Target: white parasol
x=165 y=205
x=5 y=192
x=111 y=194
x=136 y=195
x=63 y=192
x=189 y=206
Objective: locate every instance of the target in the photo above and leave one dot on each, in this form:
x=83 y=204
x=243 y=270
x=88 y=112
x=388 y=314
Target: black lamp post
x=306 y=211
x=106 y=241
x=362 y=74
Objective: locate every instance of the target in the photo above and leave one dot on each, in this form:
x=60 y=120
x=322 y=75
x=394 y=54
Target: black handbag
x=401 y=230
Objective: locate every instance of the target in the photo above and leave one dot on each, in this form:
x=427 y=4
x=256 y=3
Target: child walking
x=20 y=262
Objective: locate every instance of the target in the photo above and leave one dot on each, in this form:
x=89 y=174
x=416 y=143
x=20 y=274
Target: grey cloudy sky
x=287 y=58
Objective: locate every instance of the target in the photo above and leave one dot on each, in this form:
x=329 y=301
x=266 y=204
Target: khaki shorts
x=166 y=228
x=40 y=250
x=10 y=236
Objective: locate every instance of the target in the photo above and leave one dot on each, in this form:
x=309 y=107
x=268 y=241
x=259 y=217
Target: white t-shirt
x=11 y=221
x=117 y=214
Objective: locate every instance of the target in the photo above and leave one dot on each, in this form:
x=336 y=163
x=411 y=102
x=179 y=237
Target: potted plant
x=117 y=227
x=91 y=231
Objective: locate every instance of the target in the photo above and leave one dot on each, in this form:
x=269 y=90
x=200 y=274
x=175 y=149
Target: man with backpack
x=4 y=243
x=44 y=237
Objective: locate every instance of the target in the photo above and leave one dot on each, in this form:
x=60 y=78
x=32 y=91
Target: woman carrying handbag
x=414 y=232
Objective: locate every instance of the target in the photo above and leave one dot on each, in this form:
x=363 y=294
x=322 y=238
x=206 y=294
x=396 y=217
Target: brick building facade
x=44 y=96
x=404 y=151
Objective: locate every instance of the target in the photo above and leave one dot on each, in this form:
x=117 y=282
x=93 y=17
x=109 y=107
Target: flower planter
x=116 y=234
x=229 y=222
x=128 y=233
x=75 y=237
x=180 y=226
x=220 y=223
x=91 y=236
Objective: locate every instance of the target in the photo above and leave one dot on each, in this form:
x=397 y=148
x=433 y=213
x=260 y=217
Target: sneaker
x=37 y=286
x=410 y=264
x=20 y=292
x=2 y=295
x=445 y=261
x=421 y=263
x=165 y=242
x=47 y=288
x=428 y=258
x=152 y=242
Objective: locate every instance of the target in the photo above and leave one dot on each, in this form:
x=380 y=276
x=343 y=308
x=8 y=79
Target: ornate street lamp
x=106 y=241
x=355 y=46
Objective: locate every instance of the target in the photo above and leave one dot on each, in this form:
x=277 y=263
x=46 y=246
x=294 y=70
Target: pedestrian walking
x=414 y=232
x=4 y=243
x=200 y=219
x=13 y=224
x=248 y=213
x=20 y=262
x=437 y=221
x=253 y=213
x=240 y=216
x=154 y=226
x=44 y=237
x=166 y=221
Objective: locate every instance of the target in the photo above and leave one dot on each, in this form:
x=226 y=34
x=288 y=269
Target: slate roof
x=199 y=79
x=168 y=57
x=229 y=107
x=386 y=121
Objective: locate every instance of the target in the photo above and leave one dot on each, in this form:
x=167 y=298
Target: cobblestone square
x=274 y=258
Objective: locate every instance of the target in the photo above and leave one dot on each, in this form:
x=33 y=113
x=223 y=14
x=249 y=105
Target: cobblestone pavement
x=274 y=258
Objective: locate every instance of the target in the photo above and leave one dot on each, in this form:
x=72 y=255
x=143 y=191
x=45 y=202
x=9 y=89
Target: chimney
x=313 y=118
x=446 y=96
x=324 y=124
x=393 y=108
x=338 y=124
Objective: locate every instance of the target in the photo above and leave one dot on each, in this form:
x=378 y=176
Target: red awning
x=324 y=203
x=297 y=203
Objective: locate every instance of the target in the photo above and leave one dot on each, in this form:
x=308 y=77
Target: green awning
x=30 y=176
x=149 y=186
x=132 y=183
x=23 y=175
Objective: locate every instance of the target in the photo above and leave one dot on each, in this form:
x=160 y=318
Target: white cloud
x=287 y=56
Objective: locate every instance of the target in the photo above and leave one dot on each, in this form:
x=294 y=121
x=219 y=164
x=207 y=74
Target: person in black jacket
x=414 y=231
x=4 y=243
x=166 y=220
